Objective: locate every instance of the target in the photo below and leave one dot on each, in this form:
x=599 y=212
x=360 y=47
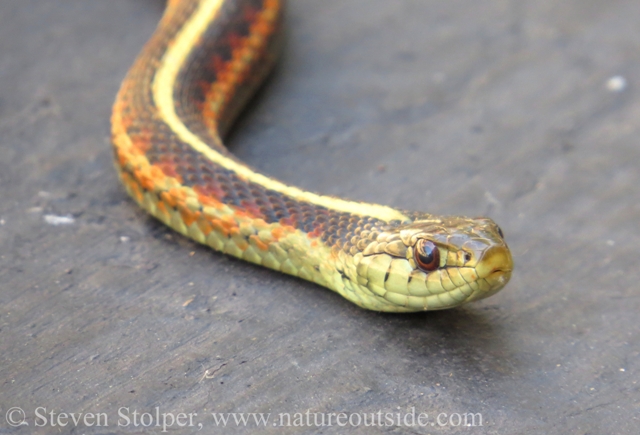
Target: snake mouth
x=489 y=285
x=499 y=277
x=495 y=264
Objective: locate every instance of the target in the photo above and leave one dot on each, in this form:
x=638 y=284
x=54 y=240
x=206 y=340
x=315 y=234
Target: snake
x=191 y=80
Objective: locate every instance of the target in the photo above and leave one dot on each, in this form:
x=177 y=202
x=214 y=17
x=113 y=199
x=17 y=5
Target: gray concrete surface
x=489 y=107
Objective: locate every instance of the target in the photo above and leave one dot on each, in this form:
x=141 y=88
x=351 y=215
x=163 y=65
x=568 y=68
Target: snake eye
x=500 y=232
x=427 y=255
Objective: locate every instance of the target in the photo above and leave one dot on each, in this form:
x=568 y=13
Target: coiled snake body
x=192 y=78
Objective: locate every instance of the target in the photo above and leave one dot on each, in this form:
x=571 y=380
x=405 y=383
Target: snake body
x=186 y=87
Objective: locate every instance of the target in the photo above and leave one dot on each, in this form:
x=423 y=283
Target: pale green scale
x=215 y=241
x=265 y=236
x=378 y=268
x=278 y=252
x=417 y=286
x=445 y=299
x=269 y=260
x=305 y=273
x=447 y=283
x=177 y=223
x=461 y=293
x=397 y=298
x=417 y=302
x=399 y=272
x=434 y=285
x=362 y=264
x=456 y=277
x=380 y=291
x=196 y=234
x=251 y=254
x=288 y=267
x=149 y=204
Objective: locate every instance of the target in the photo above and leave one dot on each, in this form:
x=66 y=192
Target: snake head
x=434 y=262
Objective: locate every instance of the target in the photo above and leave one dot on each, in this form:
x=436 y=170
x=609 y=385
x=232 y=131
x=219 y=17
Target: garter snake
x=191 y=79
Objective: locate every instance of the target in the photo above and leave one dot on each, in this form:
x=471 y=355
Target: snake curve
x=195 y=74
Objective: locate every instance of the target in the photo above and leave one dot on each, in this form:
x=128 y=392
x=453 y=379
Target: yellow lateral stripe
x=163 y=86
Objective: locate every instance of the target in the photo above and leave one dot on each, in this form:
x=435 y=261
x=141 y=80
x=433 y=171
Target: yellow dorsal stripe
x=163 y=86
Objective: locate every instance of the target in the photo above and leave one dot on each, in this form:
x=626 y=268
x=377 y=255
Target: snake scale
x=202 y=64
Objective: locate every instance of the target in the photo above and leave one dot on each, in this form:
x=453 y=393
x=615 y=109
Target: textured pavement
x=510 y=109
